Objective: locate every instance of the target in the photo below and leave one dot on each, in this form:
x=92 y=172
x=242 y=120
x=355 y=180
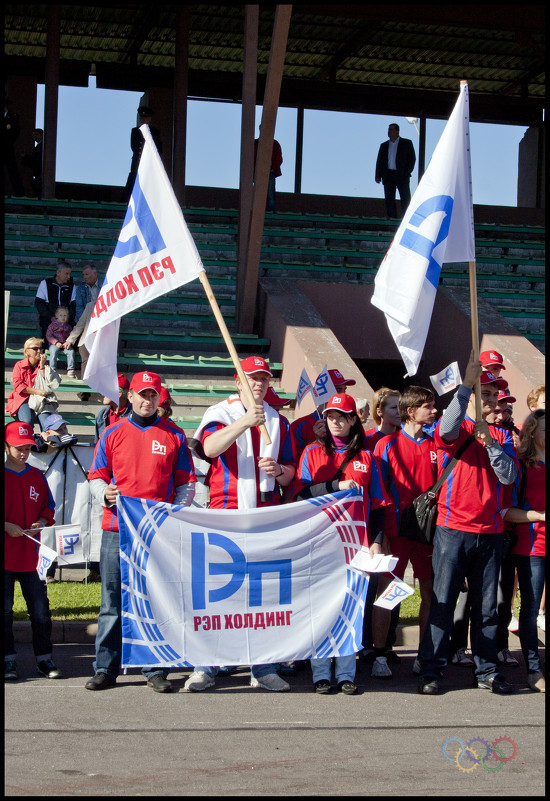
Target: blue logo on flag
x=146 y=224
x=237 y=569
x=448 y=377
x=421 y=244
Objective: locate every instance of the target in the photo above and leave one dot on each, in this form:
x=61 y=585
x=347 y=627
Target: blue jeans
x=344 y=668
x=54 y=351
x=270 y=201
x=38 y=606
x=531 y=571
x=108 y=641
x=28 y=415
x=458 y=555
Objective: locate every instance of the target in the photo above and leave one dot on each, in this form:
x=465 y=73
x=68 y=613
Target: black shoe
x=322 y=686
x=392 y=657
x=49 y=670
x=347 y=687
x=426 y=687
x=84 y=396
x=101 y=681
x=10 y=670
x=160 y=684
x=496 y=684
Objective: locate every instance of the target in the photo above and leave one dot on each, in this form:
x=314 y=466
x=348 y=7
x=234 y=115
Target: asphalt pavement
x=234 y=740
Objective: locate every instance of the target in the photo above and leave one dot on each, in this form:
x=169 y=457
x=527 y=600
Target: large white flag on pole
x=437 y=227
x=155 y=253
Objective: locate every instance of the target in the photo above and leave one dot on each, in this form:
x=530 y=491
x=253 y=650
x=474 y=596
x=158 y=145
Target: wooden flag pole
x=473 y=312
x=203 y=278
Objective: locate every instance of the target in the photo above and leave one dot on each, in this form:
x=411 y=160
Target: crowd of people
x=490 y=530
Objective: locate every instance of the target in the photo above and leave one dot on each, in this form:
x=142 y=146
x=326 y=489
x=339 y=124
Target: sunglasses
x=33 y=347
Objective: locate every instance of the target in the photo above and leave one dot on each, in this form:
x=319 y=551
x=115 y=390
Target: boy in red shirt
x=29 y=506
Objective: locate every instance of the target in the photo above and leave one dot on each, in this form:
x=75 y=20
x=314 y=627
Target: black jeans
x=36 y=598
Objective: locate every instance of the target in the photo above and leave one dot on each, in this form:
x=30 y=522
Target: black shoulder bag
x=417 y=521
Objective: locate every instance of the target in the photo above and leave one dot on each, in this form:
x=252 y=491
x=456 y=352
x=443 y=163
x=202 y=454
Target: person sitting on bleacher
x=59 y=290
x=24 y=375
x=111 y=413
x=57 y=333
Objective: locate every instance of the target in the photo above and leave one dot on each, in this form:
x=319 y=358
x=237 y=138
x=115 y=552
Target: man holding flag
x=141 y=456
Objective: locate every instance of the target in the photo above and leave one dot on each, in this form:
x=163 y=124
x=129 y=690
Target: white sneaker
x=462 y=658
x=513 y=625
x=416 y=666
x=506 y=658
x=271 y=681
x=380 y=669
x=198 y=681
x=541 y=621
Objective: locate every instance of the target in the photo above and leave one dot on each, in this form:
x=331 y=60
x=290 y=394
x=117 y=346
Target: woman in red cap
x=341 y=462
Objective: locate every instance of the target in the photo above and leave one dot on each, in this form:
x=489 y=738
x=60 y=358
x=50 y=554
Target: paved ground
x=62 y=740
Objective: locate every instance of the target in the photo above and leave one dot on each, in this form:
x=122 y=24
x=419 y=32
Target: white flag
x=304 y=386
x=438 y=227
x=155 y=253
x=324 y=389
x=448 y=379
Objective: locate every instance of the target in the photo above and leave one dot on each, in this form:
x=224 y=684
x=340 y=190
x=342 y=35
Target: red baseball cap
x=502 y=396
x=123 y=382
x=165 y=398
x=255 y=364
x=341 y=403
x=491 y=358
x=338 y=379
x=487 y=377
x=146 y=380
x=273 y=399
x=18 y=433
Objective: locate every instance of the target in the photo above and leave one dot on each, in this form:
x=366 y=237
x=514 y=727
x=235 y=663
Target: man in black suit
x=394 y=165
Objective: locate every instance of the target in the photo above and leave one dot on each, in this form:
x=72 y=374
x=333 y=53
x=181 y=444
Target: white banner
x=155 y=253
x=437 y=227
x=215 y=587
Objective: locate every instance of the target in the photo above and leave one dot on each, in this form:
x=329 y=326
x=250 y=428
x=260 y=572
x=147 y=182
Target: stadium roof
x=383 y=58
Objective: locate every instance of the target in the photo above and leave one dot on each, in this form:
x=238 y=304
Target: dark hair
x=413 y=397
x=356 y=439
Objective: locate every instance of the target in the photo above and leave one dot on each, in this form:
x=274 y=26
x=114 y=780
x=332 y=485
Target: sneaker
x=51 y=580
x=416 y=666
x=347 y=687
x=100 y=681
x=462 y=658
x=49 y=670
x=322 y=687
x=513 y=625
x=541 y=621
x=380 y=669
x=10 y=670
x=536 y=682
x=271 y=681
x=198 y=681
x=160 y=684
x=506 y=658
x=71 y=373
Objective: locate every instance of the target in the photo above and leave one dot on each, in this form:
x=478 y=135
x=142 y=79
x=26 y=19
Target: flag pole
x=203 y=278
x=473 y=292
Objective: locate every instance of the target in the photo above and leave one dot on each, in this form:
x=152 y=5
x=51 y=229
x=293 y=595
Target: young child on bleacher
x=57 y=333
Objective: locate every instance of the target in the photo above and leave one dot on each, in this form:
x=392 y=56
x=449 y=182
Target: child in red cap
x=29 y=507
